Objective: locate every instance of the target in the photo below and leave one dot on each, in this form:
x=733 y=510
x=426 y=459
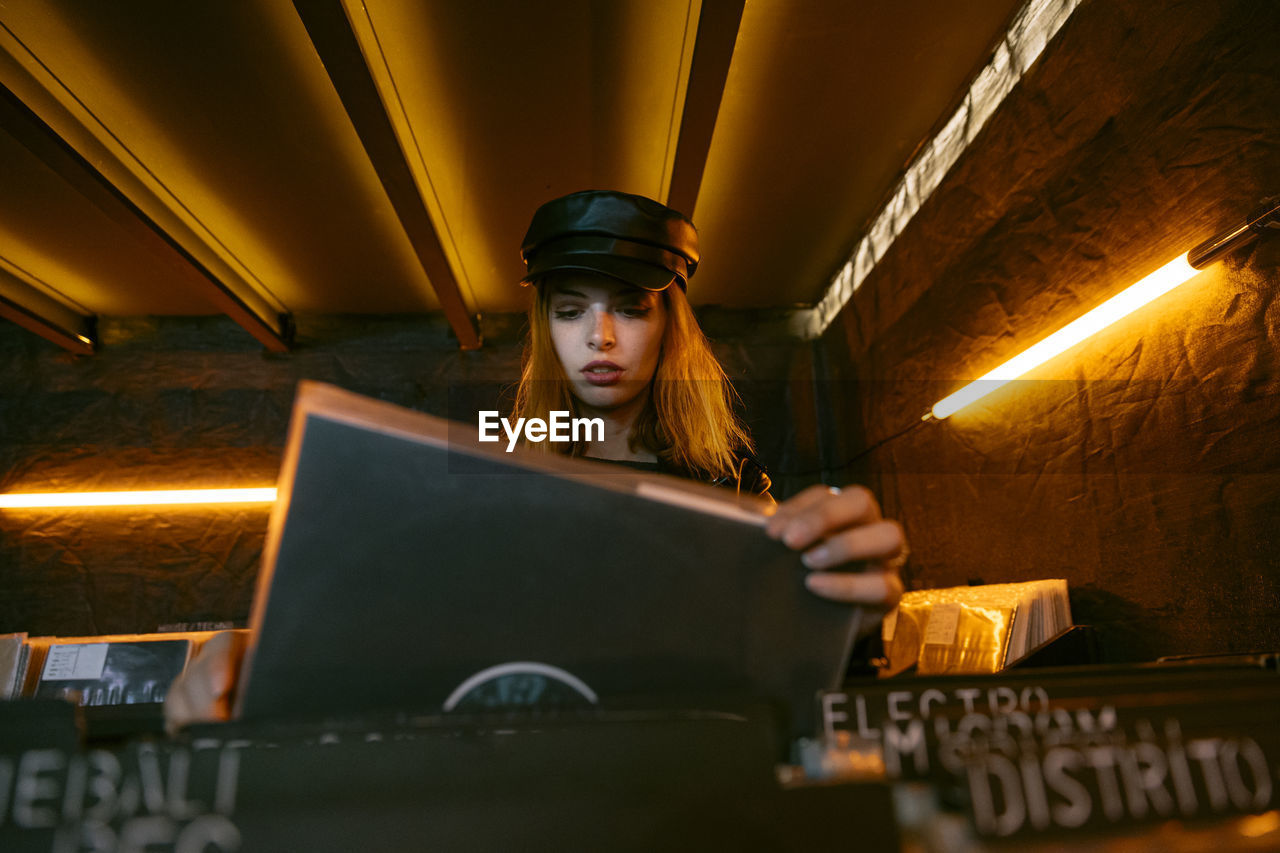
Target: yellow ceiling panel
x=499 y=106
x=513 y=103
x=824 y=104
x=81 y=257
x=227 y=106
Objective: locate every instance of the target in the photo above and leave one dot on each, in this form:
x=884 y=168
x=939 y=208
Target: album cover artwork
x=112 y=673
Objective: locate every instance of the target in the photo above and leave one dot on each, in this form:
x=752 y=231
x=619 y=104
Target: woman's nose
x=602 y=331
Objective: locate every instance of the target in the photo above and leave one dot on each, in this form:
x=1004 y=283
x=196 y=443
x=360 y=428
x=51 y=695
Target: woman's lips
x=602 y=373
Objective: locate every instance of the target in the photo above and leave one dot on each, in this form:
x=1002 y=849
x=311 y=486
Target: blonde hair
x=687 y=420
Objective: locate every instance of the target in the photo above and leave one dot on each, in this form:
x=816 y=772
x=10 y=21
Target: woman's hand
x=204 y=691
x=834 y=528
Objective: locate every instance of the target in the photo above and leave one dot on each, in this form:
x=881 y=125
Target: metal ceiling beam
x=274 y=332
x=335 y=41
x=24 y=302
x=712 y=53
x=62 y=130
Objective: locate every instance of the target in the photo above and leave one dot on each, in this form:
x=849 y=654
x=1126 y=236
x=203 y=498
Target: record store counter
x=1132 y=757
x=615 y=780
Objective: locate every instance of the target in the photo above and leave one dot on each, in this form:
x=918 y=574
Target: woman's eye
x=637 y=311
x=567 y=313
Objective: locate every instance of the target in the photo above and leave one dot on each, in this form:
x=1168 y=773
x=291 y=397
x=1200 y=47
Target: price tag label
x=944 y=620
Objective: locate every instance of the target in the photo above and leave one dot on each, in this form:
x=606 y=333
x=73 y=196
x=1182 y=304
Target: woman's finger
x=875 y=589
x=228 y=676
x=877 y=541
x=202 y=692
x=792 y=506
x=177 y=711
x=823 y=513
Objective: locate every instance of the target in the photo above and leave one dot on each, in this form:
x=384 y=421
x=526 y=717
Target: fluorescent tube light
x=1121 y=305
x=163 y=497
x=1263 y=220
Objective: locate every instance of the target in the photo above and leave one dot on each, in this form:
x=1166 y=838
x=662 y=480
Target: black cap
x=627 y=237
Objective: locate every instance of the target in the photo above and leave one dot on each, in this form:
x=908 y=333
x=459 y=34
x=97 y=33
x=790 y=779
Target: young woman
x=635 y=358
x=611 y=335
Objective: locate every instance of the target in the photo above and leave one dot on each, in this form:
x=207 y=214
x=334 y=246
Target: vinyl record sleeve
x=112 y=672
x=13 y=664
x=405 y=561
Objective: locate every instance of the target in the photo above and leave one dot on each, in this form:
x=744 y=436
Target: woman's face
x=607 y=335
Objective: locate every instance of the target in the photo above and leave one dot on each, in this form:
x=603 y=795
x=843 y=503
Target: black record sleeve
x=405 y=561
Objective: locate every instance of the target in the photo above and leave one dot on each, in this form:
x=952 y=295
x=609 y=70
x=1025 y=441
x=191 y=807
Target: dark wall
x=1144 y=467
x=174 y=403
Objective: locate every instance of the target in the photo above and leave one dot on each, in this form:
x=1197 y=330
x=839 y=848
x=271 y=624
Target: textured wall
x=1144 y=467
x=173 y=403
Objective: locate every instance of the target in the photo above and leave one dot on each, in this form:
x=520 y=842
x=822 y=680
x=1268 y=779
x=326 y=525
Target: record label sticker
x=80 y=662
